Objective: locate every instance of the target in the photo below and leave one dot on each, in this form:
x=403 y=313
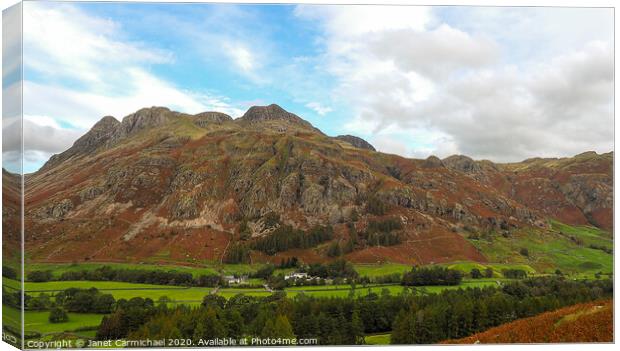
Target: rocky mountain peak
x=273 y=113
x=265 y=113
x=106 y=123
x=432 y=162
x=356 y=141
x=587 y=154
x=97 y=135
x=462 y=163
x=142 y=119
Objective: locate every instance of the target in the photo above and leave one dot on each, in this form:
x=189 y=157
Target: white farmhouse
x=296 y=275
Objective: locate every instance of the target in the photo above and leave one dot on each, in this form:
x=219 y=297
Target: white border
x=538 y=3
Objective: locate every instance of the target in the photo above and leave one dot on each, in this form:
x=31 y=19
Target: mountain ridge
x=160 y=178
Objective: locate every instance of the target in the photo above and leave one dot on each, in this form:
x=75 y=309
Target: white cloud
x=433 y=53
x=457 y=91
x=354 y=20
x=535 y=33
x=61 y=41
x=242 y=57
x=319 y=108
x=81 y=68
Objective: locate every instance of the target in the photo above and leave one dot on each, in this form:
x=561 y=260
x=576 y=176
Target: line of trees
x=140 y=276
x=424 y=276
x=39 y=276
x=9 y=272
x=411 y=317
x=339 y=268
x=514 y=273
x=286 y=237
x=72 y=300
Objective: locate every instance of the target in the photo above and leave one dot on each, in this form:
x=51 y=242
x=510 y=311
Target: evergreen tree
x=357 y=328
x=282 y=328
x=488 y=272
x=213 y=328
x=475 y=273
x=402 y=329
x=334 y=250
x=269 y=330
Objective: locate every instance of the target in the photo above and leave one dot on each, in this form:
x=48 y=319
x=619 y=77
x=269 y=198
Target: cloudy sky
x=497 y=83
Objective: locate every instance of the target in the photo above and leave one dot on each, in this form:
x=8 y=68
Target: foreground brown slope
x=588 y=322
x=167 y=186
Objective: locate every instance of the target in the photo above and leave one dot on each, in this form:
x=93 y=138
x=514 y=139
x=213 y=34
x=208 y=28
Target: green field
x=10 y=283
x=35 y=321
x=374 y=270
x=228 y=293
x=562 y=247
x=377 y=339
x=550 y=250
x=207 y=269
x=101 y=285
x=497 y=268
x=122 y=290
x=194 y=295
x=394 y=289
x=590 y=235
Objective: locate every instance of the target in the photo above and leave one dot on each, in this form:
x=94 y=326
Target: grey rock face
x=589 y=192
x=142 y=119
x=205 y=118
x=273 y=112
x=59 y=210
x=356 y=141
x=462 y=164
x=98 y=135
x=90 y=193
x=268 y=113
x=432 y=162
x=185 y=208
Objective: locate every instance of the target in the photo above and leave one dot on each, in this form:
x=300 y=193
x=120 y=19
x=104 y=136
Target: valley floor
x=84 y=325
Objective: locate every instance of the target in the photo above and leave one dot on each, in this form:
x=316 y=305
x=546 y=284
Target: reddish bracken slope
x=588 y=322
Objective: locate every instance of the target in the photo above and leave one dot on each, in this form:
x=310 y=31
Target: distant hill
x=588 y=322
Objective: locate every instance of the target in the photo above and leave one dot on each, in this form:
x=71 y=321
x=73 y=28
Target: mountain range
x=164 y=186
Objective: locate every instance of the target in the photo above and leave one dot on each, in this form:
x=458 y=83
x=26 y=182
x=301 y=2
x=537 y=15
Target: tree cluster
x=455 y=314
x=9 y=272
x=514 y=273
x=142 y=276
x=128 y=316
x=423 y=276
x=237 y=253
x=39 y=276
x=378 y=233
x=286 y=237
x=291 y=262
x=85 y=300
x=410 y=316
x=339 y=268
